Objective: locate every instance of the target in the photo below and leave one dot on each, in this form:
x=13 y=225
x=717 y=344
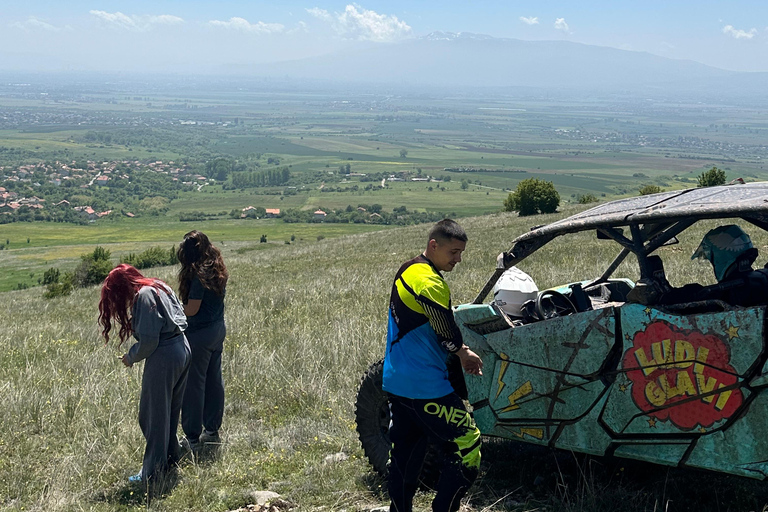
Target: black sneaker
x=190 y=445
x=208 y=437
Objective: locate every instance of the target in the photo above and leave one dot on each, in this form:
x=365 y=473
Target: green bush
x=60 y=288
x=650 y=189
x=93 y=268
x=711 y=178
x=91 y=271
x=533 y=196
x=52 y=275
x=152 y=257
x=586 y=198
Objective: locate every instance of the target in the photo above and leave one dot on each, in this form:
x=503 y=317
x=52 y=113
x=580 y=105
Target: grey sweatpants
x=203 y=404
x=162 y=390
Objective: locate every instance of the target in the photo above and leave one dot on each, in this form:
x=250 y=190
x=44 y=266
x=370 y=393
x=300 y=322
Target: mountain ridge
x=468 y=59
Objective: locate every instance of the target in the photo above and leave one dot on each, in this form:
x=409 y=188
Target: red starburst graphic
x=672 y=367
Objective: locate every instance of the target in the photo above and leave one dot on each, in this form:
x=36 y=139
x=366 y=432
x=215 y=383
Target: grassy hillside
x=304 y=321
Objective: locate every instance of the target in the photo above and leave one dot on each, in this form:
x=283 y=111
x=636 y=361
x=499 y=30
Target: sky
x=190 y=36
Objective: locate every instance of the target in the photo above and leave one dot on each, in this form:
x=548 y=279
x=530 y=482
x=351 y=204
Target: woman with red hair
x=202 y=286
x=148 y=309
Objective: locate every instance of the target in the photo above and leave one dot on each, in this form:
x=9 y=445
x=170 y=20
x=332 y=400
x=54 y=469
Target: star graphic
x=651 y=423
x=732 y=331
x=623 y=387
x=702 y=430
x=647 y=311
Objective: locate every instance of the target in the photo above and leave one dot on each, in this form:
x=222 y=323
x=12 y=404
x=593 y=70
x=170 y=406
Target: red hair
x=117 y=295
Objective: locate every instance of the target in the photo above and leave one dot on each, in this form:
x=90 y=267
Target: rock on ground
x=265 y=501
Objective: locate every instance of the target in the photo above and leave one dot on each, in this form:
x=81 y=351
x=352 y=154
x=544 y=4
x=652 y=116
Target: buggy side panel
x=542 y=375
x=741 y=447
x=683 y=374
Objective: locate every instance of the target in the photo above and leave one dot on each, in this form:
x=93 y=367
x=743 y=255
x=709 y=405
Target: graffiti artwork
x=683 y=376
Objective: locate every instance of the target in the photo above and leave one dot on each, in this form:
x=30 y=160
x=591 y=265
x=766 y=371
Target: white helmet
x=514 y=288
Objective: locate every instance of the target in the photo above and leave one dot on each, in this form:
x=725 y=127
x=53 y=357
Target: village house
x=319 y=215
x=272 y=212
x=87 y=212
x=245 y=211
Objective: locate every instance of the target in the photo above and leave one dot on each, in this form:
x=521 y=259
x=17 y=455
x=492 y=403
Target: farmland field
x=334 y=140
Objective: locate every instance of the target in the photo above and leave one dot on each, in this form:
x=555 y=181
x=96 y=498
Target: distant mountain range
x=474 y=60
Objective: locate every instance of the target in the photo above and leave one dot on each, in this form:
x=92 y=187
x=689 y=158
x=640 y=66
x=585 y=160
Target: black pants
x=445 y=423
x=203 y=405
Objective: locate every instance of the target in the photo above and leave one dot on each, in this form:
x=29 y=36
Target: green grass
x=61 y=245
x=304 y=321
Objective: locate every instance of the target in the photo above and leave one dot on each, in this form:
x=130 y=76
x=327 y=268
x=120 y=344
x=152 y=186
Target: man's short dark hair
x=447 y=229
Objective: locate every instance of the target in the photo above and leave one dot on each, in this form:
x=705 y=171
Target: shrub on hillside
x=52 y=275
x=649 y=189
x=711 y=178
x=586 y=199
x=533 y=196
x=152 y=257
x=93 y=268
x=60 y=288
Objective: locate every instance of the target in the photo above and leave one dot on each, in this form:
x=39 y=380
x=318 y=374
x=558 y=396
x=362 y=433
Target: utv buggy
x=580 y=367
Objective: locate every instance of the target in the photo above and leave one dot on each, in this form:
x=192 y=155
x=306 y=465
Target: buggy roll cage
x=653 y=220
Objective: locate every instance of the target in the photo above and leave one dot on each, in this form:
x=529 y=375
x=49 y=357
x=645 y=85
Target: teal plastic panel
x=478 y=387
x=586 y=435
x=681 y=373
x=577 y=344
x=534 y=393
x=668 y=454
x=741 y=447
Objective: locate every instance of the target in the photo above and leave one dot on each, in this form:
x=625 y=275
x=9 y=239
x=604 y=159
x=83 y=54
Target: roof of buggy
x=748 y=201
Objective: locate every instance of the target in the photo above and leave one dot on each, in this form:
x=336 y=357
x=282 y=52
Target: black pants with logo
x=445 y=423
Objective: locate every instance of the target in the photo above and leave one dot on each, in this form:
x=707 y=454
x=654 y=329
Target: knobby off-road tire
x=372 y=417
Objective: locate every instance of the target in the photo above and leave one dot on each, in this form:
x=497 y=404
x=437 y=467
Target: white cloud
x=166 y=19
x=243 y=25
x=560 y=24
x=34 y=24
x=320 y=13
x=301 y=27
x=738 y=33
x=533 y=20
x=136 y=22
x=363 y=24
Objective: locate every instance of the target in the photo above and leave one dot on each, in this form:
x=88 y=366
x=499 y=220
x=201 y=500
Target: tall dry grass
x=304 y=321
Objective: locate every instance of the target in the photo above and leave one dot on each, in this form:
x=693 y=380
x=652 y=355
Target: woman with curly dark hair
x=148 y=309
x=202 y=286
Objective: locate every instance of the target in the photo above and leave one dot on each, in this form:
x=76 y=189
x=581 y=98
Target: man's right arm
x=449 y=336
x=470 y=361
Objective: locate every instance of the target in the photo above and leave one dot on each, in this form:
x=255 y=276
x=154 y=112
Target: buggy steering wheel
x=551 y=304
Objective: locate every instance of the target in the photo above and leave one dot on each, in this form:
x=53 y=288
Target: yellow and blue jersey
x=420 y=334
